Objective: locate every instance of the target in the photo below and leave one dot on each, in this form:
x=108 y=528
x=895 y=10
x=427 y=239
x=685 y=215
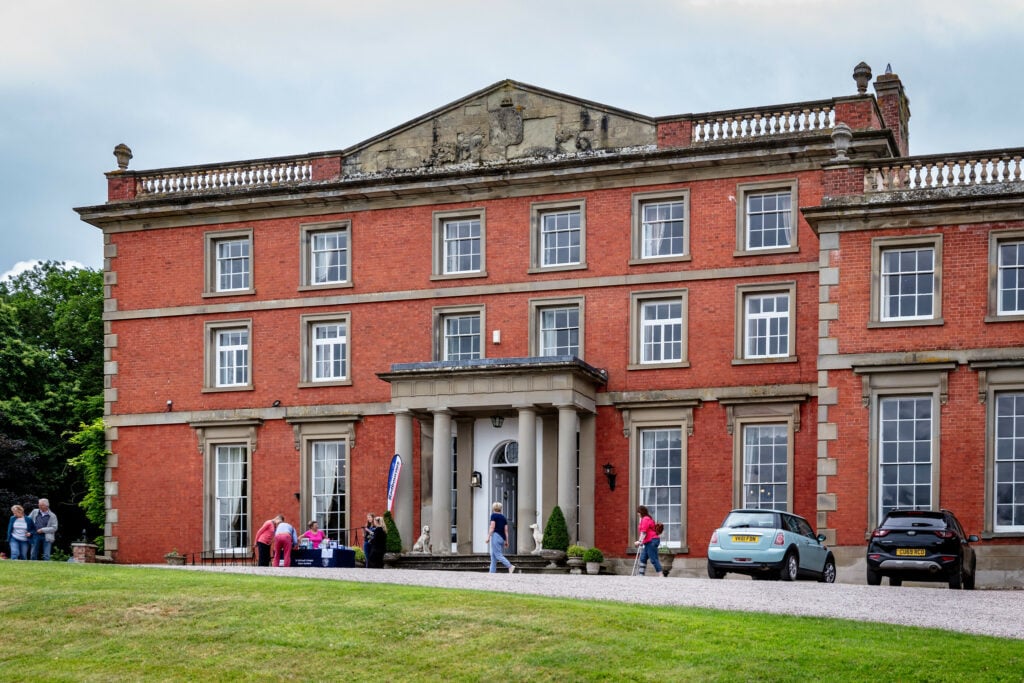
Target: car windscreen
x=752 y=520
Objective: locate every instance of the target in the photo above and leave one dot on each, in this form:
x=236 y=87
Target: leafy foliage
x=92 y=462
x=556 y=533
x=394 y=540
x=575 y=551
x=51 y=381
x=593 y=555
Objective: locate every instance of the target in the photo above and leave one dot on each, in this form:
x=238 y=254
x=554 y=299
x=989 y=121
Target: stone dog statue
x=422 y=544
x=538 y=538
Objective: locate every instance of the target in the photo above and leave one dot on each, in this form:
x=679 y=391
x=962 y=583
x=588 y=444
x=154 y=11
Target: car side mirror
x=821 y=538
x=973 y=538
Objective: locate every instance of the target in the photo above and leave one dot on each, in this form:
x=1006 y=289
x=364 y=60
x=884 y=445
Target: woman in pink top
x=648 y=542
x=314 y=534
x=264 y=539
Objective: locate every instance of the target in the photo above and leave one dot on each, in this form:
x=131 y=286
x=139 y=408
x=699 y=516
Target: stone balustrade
x=780 y=120
x=249 y=174
x=994 y=167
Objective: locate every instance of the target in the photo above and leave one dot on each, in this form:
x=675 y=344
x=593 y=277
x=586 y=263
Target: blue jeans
x=40 y=545
x=649 y=551
x=498 y=553
x=19 y=549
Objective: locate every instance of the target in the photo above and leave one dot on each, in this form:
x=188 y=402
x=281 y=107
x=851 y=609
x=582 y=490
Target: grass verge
x=67 y=622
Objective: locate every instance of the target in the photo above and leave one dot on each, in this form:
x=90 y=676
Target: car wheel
x=893 y=581
x=715 y=573
x=828 y=572
x=874 y=578
x=956 y=579
x=969 y=579
x=790 y=567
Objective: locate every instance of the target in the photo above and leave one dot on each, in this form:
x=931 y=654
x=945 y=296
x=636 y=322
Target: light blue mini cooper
x=768 y=544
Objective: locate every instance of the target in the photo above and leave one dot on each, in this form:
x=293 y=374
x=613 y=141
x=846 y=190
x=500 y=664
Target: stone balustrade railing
x=785 y=119
x=993 y=167
x=259 y=173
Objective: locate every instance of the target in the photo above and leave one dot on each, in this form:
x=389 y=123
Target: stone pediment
x=506 y=122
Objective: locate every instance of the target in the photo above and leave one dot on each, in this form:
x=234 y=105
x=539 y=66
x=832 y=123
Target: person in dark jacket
x=378 y=544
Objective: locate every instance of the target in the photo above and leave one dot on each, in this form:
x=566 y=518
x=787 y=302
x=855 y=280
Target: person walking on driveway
x=497 y=539
x=648 y=541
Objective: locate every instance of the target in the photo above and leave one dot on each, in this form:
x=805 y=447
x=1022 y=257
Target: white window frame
x=538 y=307
x=999 y=379
x=212 y=242
x=442 y=315
x=639 y=326
x=658 y=415
x=880 y=246
x=212 y=374
x=744 y=191
x=744 y=293
x=308 y=234
x=315 y=449
x=538 y=255
x=997 y=240
x=896 y=381
x=640 y=202
x=212 y=436
x=746 y=412
x=749 y=467
x=308 y=353
x=441 y=221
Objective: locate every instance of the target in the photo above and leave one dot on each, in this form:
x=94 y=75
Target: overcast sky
x=201 y=81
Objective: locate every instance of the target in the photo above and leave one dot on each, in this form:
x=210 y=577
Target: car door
x=812 y=552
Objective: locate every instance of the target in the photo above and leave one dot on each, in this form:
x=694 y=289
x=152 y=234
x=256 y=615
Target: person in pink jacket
x=264 y=539
x=648 y=541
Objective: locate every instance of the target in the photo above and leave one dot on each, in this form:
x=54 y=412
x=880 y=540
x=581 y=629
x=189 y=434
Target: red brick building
x=544 y=300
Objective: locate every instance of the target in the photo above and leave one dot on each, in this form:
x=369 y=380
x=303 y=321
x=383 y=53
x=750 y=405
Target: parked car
x=921 y=545
x=769 y=544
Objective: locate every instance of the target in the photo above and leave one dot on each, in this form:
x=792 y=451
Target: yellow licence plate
x=745 y=539
x=910 y=552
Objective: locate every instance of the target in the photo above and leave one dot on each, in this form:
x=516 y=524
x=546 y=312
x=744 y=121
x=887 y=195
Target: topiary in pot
x=593 y=557
x=576 y=551
x=556 y=534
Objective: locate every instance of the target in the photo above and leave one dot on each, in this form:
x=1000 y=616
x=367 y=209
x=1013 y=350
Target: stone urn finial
x=123 y=154
x=862 y=74
x=842 y=136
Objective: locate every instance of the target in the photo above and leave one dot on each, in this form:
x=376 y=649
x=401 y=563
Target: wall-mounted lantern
x=497 y=421
x=476 y=480
x=609 y=473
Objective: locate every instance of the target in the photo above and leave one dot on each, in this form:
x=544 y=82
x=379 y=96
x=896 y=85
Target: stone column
x=441 y=512
x=464 y=461
x=588 y=472
x=527 y=511
x=403 y=512
x=567 y=467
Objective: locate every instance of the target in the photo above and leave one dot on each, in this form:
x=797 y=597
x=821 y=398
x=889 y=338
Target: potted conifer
x=556 y=538
x=393 y=547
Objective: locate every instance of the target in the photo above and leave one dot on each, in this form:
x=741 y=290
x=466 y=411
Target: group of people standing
x=276 y=538
x=32 y=535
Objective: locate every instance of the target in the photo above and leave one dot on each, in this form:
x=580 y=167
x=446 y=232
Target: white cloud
x=24 y=266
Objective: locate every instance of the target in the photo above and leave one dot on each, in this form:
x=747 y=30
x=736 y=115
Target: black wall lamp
x=298 y=495
x=609 y=473
x=497 y=421
x=476 y=480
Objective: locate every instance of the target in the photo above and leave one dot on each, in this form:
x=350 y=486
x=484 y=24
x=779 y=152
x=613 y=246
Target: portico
x=526 y=425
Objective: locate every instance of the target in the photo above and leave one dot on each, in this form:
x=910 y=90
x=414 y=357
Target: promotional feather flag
x=393 y=472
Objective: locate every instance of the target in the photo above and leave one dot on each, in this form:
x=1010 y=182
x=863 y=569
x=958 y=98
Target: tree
x=394 y=539
x=51 y=383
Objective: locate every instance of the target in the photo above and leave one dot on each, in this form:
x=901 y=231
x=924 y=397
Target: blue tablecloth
x=338 y=557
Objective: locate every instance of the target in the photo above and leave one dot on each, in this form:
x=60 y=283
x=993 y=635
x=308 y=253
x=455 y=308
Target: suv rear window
x=912 y=521
x=753 y=520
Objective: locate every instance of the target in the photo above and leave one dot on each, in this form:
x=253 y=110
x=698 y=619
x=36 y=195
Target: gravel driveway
x=988 y=612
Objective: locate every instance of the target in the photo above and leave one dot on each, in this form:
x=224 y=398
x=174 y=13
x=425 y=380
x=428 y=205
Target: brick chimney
x=895 y=108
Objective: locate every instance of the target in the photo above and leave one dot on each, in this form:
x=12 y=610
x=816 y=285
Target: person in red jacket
x=648 y=541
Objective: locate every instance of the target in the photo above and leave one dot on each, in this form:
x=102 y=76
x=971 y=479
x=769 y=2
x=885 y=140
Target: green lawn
x=100 y=623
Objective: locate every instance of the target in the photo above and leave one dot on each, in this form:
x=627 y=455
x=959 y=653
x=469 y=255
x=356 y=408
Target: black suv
x=921 y=545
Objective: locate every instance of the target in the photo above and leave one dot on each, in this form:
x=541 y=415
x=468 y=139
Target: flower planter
x=593 y=568
x=575 y=565
x=175 y=560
